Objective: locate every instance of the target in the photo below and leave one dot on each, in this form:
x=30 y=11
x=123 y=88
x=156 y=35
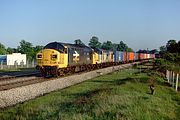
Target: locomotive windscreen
x=55 y=45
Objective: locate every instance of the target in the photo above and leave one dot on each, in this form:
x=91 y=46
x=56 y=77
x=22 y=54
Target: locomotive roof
x=61 y=46
x=99 y=50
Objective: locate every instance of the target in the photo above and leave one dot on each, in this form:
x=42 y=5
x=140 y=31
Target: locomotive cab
x=63 y=58
x=51 y=58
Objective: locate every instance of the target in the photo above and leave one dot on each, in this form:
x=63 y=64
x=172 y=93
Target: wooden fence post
x=177 y=81
x=167 y=75
x=173 y=79
x=170 y=77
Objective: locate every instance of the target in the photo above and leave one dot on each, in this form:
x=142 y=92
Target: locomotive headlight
x=39 y=56
x=54 y=57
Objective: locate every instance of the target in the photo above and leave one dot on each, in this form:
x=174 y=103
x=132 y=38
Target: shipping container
x=148 y=56
x=118 y=56
x=125 y=57
x=137 y=56
x=110 y=56
x=141 y=56
x=130 y=56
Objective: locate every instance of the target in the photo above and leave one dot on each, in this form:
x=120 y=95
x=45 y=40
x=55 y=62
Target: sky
x=141 y=24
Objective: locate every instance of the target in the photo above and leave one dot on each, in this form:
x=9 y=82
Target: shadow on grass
x=123 y=81
x=83 y=102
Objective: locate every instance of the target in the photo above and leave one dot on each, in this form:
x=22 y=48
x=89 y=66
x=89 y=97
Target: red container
x=142 y=56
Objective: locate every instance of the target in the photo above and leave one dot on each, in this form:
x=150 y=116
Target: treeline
x=170 y=57
x=171 y=51
x=31 y=51
x=108 y=45
x=24 y=48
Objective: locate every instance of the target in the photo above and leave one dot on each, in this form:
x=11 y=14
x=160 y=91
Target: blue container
x=118 y=56
x=121 y=56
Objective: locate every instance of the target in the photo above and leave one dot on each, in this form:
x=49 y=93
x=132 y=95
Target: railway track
x=17 y=80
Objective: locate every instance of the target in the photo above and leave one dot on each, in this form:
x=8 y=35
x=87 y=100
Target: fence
x=29 y=64
x=173 y=78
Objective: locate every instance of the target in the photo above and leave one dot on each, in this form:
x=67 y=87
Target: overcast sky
x=141 y=24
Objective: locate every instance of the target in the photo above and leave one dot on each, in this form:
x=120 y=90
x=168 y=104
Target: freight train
x=58 y=59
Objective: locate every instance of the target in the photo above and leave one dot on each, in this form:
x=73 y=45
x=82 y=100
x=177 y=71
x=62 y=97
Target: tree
x=11 y=50
x=122 y=46
x=107 y=45
x=94 y=42
x=38 y=48
x=162 y=49
x=130 y=50
x=26 y=48
x=153 y=51
x=78 y=42
x=172 y=46
x=115 y=46
x=178 y=47
x=2 y=49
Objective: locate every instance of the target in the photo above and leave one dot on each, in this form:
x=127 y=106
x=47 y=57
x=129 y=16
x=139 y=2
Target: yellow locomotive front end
x=51 y=59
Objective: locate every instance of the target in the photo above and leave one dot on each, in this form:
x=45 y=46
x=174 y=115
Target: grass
x=116 y=96
x=17 y=69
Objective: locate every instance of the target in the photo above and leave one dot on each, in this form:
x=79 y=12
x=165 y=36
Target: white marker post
x=177 y=81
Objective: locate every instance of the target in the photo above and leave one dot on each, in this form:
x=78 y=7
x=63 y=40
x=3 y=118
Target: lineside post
x=177 y=81
x=173 y=80
x=167 y=75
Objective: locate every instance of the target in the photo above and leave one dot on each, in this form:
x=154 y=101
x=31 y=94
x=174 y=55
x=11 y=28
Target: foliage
x=153 y=51
x=172 y=46
x=37 y=48
x=78 y=42
x=11 y=50
x=162 y=49
x=94 y=42
x=107 y=45
x=122 y=46
x=163 y=65
x=130 y=50
x=171 y=51
x=26 y=48
x=2 y=49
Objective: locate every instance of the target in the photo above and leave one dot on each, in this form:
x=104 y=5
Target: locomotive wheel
x=61 y=72
x=55 y=73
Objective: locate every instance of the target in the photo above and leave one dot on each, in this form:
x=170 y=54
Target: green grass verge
x=18 y=69
x=116 y=96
